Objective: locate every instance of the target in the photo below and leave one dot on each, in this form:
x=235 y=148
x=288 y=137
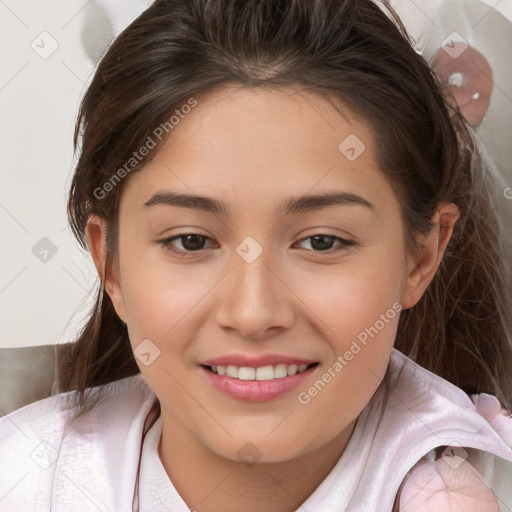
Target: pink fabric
x=499 y=418
x=450 y=483
x=440 y=487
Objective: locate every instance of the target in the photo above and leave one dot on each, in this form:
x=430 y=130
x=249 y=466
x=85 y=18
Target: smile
x=257 y=384
x=269 y=372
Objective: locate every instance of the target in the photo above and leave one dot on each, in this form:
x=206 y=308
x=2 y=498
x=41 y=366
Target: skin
x=454 y=487
x=252 y=148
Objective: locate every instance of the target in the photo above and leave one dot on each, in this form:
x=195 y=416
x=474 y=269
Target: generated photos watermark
x=305 y=397
x=144 y=150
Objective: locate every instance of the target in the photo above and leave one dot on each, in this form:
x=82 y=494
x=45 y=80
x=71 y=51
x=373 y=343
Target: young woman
x=303 y=300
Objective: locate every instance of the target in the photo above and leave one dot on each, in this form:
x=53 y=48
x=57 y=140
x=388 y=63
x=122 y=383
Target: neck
x=208 y=482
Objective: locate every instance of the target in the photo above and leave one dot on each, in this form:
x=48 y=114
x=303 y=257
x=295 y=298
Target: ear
x=431 y=249
x=96 y=232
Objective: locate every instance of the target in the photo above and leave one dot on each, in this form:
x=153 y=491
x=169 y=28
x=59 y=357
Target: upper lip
x=241 y=360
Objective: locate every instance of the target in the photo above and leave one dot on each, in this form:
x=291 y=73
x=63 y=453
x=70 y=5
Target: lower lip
x=257 y=390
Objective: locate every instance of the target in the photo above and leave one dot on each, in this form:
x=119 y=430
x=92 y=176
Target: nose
x=256 y=301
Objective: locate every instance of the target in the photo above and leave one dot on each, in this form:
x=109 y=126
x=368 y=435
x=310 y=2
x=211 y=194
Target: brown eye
x=323 y=242
x=190 y=242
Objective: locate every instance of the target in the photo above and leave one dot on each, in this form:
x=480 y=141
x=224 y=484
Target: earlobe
x=431 y=249
x=96 y=232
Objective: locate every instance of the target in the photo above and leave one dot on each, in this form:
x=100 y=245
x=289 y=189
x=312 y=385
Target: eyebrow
x=293 y=205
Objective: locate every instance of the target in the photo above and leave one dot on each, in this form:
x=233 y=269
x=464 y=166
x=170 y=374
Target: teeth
x=263 y=373
x=280 y=371
x=232 y=371
x=245 y=373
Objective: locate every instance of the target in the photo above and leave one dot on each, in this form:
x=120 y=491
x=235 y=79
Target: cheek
x=357 y=310
x=156 y=296
x=360 y=318
x=161 y=301
x=351 y=297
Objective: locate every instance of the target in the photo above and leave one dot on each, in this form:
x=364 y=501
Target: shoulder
x=449 y=484
x=467 y=440
x=40 y=447
x=51 y=414
x=446 y=411
x=424 y=412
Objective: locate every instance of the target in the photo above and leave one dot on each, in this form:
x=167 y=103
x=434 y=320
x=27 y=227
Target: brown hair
x=352 y=51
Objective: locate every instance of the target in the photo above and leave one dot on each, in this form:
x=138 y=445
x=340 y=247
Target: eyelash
x=166 y=243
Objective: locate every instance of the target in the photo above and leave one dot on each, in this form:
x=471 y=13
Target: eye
x=191 y=242
x=323 y=242
x=194 y=243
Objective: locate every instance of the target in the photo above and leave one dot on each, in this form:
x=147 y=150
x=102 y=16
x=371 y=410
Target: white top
x=93 y=467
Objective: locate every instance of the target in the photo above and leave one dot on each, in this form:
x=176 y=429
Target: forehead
x=261 y=143
x=244 y=118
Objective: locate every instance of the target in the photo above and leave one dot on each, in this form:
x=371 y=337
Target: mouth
x=258 y=384
x=262 y=373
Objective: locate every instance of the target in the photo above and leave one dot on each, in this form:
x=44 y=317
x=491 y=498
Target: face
x=257 y=282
